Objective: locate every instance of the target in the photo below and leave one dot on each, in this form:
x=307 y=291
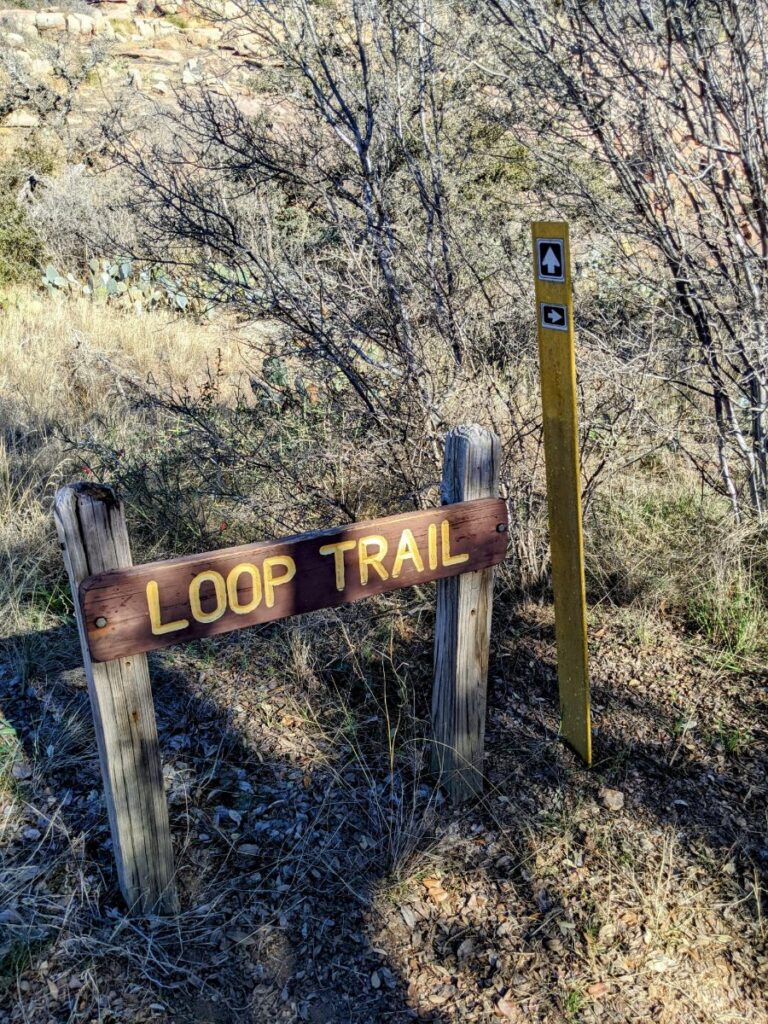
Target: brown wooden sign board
x=127 y=611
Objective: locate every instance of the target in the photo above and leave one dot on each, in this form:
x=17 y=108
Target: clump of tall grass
x=65 y=372
x=659 y=540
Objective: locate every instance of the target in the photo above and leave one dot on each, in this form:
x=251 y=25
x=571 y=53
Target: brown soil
x=322 y=880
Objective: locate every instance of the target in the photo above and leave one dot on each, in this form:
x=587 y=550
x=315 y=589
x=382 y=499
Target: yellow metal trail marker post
x=554 y=316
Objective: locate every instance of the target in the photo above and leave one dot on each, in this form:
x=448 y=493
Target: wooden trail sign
x=554 y=317
x=142 y=608
x=124 y=610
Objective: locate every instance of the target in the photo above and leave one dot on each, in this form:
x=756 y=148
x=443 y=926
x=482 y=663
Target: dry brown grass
x=321 y=877
x=63 y=358
x=66 y=367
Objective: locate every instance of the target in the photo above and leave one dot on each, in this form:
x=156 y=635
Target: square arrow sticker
x=550 y=259
x=554 y=317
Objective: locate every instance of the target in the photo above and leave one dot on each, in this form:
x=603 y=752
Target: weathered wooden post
x=94 y=539
x=463 y=626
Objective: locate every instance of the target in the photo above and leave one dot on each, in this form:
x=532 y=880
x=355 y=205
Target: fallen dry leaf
x=435 y=889
x=508 y=1009
x=661 y=964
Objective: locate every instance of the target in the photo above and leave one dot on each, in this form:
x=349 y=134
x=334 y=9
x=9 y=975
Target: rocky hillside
x=148 y=48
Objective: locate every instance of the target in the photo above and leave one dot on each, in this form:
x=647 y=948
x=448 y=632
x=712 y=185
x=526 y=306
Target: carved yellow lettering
x=153 y=603
x=407 y=549
x=432 y=545
x=220 y=589
x=367 y=558
x=337 y=550
x=271 y=581
x=448 y=558
x=233 y=578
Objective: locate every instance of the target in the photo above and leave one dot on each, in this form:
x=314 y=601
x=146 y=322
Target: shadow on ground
x=320 y=884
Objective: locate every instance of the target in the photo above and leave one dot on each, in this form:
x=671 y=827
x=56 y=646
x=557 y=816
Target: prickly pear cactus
x=123 y=283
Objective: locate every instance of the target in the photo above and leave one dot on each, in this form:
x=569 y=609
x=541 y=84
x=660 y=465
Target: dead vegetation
x=351 y=296
x=322 y=877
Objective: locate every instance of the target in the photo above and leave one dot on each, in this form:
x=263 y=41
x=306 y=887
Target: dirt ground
x=322 y=878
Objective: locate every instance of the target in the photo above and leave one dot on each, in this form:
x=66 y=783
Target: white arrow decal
x=554 y=317
x=550 y=262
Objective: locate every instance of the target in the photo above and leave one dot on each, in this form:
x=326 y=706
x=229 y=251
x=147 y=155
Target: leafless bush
x=77 y=212
x=670 y=100
x=331 y=215
x=46 y=80
x=366 y=213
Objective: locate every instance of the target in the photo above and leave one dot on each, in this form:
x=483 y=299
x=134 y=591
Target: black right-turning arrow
x=554 y=316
